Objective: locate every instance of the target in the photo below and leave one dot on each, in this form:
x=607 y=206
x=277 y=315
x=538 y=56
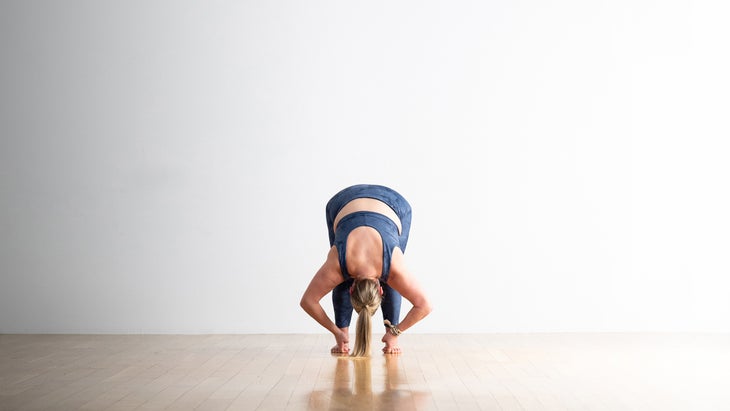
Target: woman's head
x=365 y=296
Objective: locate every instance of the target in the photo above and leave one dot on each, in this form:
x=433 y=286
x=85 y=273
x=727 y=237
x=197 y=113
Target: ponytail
x=365 y=299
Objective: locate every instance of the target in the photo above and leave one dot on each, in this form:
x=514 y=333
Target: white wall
x=164 y=166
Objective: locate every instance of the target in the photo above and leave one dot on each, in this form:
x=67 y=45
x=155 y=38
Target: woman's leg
x=392 y=299
x=342 y=304
x=404 y=212
x=391 y=312
x=330 y=213
x=340 y=294
x=343 y=311
x=391 y=304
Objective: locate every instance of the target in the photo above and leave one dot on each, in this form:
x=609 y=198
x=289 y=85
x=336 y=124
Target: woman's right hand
x=342 y=338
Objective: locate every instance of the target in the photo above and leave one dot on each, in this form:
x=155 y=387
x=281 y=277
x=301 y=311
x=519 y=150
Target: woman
x=368 y=231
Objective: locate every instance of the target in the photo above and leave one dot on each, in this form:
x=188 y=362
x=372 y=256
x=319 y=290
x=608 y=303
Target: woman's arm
x=406 y=284
x=327 y=278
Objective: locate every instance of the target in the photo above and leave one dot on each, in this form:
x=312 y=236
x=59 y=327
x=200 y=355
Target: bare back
x=364 y=246
x=368 y=204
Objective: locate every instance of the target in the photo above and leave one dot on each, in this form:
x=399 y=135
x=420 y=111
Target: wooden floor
x=435 y=372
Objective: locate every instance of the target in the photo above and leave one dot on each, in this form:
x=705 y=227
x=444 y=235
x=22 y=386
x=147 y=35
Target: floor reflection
x=368 y=384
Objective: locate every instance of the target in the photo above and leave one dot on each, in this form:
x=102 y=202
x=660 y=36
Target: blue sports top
x=386 y=227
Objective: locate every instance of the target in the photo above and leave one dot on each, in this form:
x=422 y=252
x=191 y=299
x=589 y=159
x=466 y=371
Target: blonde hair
x=365 y=298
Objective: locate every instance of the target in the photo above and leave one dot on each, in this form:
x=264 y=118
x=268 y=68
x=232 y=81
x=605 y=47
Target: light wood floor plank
x=549 y=371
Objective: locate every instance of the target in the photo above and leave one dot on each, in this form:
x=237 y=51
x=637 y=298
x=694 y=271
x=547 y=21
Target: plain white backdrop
x=164 y=165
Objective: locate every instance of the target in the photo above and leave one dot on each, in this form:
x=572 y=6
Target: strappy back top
x=386 y=227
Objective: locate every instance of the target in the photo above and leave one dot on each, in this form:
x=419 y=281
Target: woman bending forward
x=368 y=231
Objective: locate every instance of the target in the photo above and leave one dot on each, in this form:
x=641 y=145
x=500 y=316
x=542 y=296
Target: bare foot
x=391 y=344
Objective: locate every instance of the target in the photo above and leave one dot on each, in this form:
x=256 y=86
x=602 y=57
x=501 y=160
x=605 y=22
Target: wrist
x=393 y=329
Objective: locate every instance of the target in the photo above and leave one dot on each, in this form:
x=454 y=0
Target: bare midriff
x=368 y=204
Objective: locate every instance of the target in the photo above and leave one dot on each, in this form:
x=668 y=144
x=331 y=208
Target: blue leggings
x=391 y=303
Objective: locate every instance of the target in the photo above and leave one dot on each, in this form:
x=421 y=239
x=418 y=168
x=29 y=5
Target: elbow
x=427 y=307
x=305 y=303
